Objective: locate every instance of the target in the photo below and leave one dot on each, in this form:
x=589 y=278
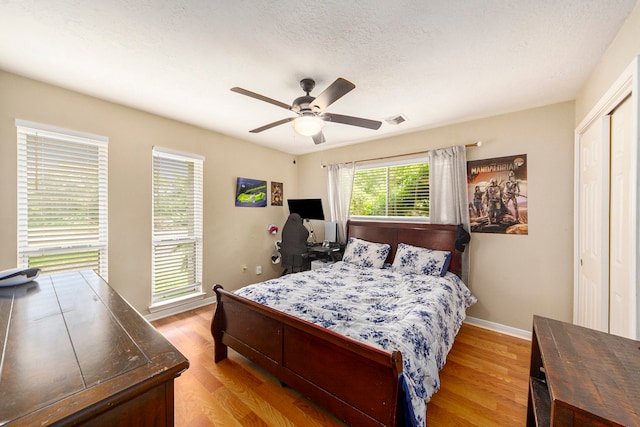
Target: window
x=62 y=199
x=177 y=226
x=394 y=190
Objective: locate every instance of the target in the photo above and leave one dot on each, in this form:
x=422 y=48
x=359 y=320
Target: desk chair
x=293 y=248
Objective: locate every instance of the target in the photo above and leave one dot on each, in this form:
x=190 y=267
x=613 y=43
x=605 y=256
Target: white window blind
x=62 y=200
x=177 y=225
x=391 y=190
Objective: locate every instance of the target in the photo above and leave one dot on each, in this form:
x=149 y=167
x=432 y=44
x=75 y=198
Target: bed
x=358 y=374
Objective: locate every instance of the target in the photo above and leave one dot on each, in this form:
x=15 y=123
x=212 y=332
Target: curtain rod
x=475 y=144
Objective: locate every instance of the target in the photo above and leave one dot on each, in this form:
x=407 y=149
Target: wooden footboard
x=357 y=382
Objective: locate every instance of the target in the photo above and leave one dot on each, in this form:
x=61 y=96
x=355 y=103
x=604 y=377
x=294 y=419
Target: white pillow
x=365 y=254
x=413 y=259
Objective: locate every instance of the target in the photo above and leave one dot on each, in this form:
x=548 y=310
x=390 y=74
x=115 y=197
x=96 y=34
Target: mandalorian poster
x=498 y=200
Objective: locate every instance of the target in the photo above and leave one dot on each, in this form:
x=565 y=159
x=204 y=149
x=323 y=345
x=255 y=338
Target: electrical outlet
x=258 y=269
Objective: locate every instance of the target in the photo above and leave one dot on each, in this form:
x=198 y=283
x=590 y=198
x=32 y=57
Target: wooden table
x=582 y=377
x=74 y=352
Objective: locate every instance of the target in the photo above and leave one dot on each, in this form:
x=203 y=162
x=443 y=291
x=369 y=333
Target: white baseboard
x=497 y=327
x=180 y=309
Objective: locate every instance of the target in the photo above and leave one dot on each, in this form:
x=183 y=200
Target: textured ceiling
x=435 y=62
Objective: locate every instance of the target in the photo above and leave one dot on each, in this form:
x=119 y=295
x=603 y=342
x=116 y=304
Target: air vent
x=396 y=120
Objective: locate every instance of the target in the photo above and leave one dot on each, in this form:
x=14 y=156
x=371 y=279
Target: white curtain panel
x=340 y=184
x=448 y=191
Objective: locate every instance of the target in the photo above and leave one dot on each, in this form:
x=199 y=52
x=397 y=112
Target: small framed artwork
x=276 y=193
x=251 y=193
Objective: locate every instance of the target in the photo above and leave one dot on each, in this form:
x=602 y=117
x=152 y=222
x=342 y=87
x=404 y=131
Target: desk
x=320 y=252
x=76 y=353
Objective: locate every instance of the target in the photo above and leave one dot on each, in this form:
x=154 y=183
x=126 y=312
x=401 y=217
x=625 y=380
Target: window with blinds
x=62 y=199
x=177 y=225
x=400 y=189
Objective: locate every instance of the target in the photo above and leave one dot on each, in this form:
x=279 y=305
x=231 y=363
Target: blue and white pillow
x=365 y=254
x=413 y=259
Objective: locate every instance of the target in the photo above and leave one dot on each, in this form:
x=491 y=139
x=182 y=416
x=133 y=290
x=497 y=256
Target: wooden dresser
x=74 y=352
x=582 y=377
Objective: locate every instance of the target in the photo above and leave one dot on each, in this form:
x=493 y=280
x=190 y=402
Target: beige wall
x=618 y=56
x=232 y=236
x=513 y=277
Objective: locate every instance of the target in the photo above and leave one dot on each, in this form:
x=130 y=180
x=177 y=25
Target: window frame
x=160 y=300
x=388 y=218
x=61 y=139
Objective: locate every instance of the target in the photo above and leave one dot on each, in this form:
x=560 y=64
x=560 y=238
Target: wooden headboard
x=432 y=236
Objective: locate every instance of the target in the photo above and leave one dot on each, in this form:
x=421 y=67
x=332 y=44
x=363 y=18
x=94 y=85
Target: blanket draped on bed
x=417 y=314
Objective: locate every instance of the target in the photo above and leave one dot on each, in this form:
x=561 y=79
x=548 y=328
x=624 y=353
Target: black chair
x=293 y=248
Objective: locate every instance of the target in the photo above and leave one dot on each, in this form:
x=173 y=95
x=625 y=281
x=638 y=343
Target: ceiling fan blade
x=260 y=97
x=318 y=138
x=271 y=125
x=335 y=91
x=350 y=120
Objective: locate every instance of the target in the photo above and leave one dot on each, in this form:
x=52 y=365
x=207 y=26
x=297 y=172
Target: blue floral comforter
x=417 y=314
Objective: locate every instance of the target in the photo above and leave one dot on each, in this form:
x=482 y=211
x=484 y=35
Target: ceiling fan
x=310 y=110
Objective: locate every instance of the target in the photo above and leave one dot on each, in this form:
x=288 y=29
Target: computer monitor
x=307 y=208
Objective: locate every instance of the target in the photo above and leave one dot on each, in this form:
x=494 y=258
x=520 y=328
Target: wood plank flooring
x=484 y=383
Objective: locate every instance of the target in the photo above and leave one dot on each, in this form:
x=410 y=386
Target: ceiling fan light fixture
x=308 y=125
x=311 y=110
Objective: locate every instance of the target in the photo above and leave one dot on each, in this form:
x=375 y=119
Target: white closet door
x=621 y=262
x=606 y=233
x=592 y=288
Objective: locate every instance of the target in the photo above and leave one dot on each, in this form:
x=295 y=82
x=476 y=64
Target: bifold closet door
x=604 y=299
x=606 y=232
x=592 y=288
x=622 y=198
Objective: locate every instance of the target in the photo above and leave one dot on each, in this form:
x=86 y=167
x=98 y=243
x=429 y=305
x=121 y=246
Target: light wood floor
x=484 y=383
